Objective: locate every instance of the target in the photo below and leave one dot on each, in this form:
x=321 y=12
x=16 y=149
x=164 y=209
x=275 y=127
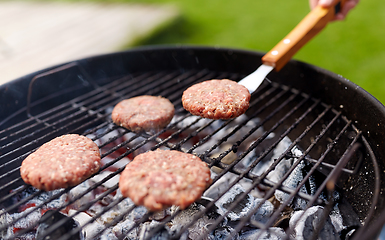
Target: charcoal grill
x=337 y=126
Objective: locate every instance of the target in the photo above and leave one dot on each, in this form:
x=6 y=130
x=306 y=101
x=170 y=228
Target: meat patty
x=143 y=113
x=216 y=99
x=162 y=178
x=62 y=162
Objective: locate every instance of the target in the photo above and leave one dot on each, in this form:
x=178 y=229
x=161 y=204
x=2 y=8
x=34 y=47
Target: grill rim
x=326 y=85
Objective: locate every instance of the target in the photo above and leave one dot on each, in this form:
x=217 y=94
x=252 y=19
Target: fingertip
x=339 y=17
x=350 y=5
x=326 y=3
x=313 y=4
x=345 y=10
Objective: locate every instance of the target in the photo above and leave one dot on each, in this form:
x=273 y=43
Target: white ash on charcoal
x=220 y=186
x=250 y=202
x=247 y=204
x=292 y=181
x=264 y=211
x=199 y=228
x=30 y=220
x=89 y=230
x=304 y=224
x=26 y=236
x=42 y=198
x=5 y=219
x=53 y=204
x=31 y=211
x=38 y=223
x=273 y=233
x=193 y=129
x=263 y=165
x=110 y=140
x=240 y=133
x=145 y=232
x=161 y=215
x=98 y=225
x=201 y=225
x=336 y=219
x=112 y=182
x=265 y=162
x=109 y=137
x=117 y=165
x=278 y=172
x=248 y=184
x=282 y=167
x=107 y=235
x=344 y=219
x=82 y=194
x=223 y=184
x=123 y=228
x=223 y=132
x=86 y=196
x=108 y=216
x=113 y=139
x=295 y=177
x=223 y=232
x=183 y=122
x=136 y=214
x=134 y=141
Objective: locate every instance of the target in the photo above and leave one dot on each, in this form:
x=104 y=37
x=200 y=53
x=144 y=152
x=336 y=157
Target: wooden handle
x=310 y=26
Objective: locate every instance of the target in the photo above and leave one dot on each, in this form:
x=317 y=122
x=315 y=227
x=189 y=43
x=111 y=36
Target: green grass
x=353 y=48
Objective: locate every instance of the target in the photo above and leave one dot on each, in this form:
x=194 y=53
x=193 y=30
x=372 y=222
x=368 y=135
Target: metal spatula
x=277 y=57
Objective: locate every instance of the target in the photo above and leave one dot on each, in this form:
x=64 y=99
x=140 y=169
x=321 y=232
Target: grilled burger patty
x=162 y=178
x=143 y=113
x=216 y=99
x=62 y=162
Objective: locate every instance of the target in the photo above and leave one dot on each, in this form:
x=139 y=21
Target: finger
x=339 y=17
x=327 y=3
x=348 y=6
x=313 y=3
x=344 y=11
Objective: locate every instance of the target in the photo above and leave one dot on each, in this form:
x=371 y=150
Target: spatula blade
x=254 y=79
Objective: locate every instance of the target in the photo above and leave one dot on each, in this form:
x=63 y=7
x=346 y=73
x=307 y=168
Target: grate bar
x=206 y=138
x=56 y=225
x=313 y=199
x=89 y=114
x=85 y=99
x=230 y=186
x=30 y=144
x=60 y=107
x=295 y=164
x=105 y=179
x=277 y=185
x=66 y=126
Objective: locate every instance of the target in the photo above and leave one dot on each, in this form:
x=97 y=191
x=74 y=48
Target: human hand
x=349 y=4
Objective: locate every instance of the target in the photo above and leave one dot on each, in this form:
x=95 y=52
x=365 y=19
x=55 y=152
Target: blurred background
x=353 y=48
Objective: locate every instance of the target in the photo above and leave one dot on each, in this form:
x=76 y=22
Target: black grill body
x=337 y=125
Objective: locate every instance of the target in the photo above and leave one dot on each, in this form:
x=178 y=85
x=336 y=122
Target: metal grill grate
x=328 y=142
